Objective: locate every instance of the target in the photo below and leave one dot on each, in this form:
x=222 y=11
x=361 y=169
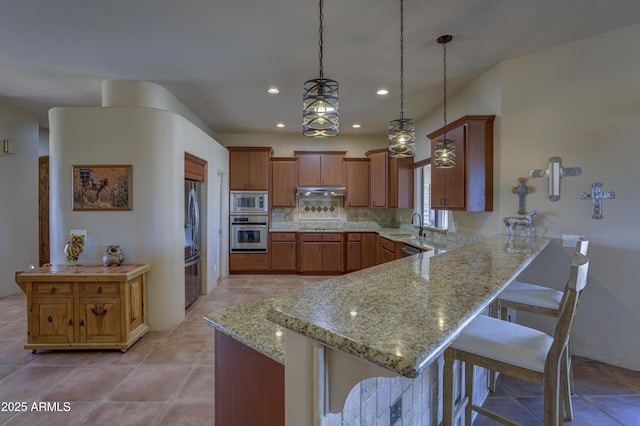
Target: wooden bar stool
x=538 y=299
x=516 y=351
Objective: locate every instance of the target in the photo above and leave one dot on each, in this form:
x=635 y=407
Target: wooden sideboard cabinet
x=85 y=307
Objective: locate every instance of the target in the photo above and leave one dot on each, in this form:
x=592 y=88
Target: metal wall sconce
x=555 y=172
x=8 y=147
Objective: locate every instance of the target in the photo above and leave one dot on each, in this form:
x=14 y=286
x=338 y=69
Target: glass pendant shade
x=445 y=153
x=402 y=138
x=320 y=99
x=320 y=108
x=402 y=132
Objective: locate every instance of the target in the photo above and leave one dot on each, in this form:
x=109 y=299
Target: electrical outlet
x=396 y=411
x=571 y=240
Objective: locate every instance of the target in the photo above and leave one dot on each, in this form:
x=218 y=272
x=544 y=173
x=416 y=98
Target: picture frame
x=101 y=187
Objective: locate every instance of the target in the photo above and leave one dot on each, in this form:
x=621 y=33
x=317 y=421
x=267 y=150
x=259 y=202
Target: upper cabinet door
x=469 y=185
x=331 y=170
x=448 y=185
x=309 y=170
x=283 y=182
x=357 y=177
x=320 y=168
x=249 y=168
x=379 y=171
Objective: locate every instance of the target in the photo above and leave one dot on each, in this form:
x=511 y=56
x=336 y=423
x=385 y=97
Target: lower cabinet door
x=51 y=320
x=283 y=255
x=311 y=257
x=100 y=320
x=332 y=257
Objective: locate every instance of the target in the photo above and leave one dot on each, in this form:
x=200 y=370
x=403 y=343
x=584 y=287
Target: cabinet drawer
x=387 y=256
x=354 y=236
x=99 y=289
x=283 y=236
x=332 y=237
x=52 y=289
x=311 y=237
x=388 y=244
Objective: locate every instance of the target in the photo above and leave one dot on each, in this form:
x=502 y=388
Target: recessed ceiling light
x=281 y=125
x=273 y=90
x=356 y=126
x=382 y=92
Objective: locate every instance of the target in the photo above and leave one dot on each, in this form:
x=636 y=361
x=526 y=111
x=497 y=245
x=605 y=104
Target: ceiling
x=220 y=56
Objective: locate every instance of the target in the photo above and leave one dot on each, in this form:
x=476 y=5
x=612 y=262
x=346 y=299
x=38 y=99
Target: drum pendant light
x=445 y=149
x=320 y=101
x=402 y=132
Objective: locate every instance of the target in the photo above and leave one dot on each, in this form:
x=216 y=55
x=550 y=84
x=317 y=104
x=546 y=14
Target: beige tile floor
x=167 y=377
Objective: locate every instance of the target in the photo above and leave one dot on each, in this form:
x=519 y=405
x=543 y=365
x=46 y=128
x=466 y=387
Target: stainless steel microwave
x=249 y=202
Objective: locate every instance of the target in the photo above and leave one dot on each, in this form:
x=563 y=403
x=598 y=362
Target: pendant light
x=320 y=101
x=445 y=155
x=402 y=132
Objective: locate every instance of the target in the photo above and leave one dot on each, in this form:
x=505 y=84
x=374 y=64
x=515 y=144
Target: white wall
x=19 y=195
x=153 y=141
x=581 y=102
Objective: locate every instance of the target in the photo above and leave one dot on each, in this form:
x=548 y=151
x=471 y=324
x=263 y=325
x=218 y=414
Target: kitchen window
x=432 y=218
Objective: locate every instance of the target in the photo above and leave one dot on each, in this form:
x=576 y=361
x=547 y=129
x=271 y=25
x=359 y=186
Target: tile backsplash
x=310 y=209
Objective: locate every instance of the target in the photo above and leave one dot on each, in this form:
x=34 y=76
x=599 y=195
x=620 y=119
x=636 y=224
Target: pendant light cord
x=401 y=59
x=444 y=49
x=321 y=41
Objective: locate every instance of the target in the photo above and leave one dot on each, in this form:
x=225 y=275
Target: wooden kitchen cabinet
x=321 y=253
x=357 y=182
x=469 y=185
x=240 y=263
x=386 y=250
x=391 y=182
x=320 y=168
x=369 y=249
x=284 y=182
x=354 y=251
x=282 y=251
x=85 y=307
x=249 y=168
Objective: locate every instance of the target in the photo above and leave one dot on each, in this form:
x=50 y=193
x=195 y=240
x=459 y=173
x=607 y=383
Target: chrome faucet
x=419 y=217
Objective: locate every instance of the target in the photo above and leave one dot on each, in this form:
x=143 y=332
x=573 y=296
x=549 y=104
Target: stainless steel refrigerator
x=192 y=275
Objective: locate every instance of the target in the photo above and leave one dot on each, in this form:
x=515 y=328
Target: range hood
x=336 y=191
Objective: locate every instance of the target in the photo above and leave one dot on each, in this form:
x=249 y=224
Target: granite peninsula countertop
x=399 y=315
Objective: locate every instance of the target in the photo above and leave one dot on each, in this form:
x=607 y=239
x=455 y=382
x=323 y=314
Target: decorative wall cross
x=596 y=197
x=522 y=189
x=554 y=172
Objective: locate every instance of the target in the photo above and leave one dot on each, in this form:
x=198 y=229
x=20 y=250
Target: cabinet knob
x=70 y=322
x=100 y=290
x=52 y=291
x=49 y=319
x=81 y=323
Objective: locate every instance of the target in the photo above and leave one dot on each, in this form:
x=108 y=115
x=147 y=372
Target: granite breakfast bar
x=391 y=320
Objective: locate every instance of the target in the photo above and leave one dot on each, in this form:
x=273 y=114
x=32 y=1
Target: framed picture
x=101 y=187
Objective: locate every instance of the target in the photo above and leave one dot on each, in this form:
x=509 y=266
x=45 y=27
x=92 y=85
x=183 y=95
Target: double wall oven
x=249 y=226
